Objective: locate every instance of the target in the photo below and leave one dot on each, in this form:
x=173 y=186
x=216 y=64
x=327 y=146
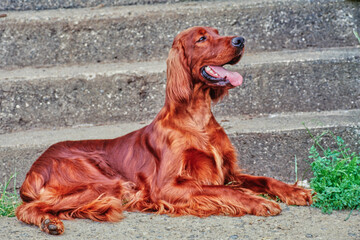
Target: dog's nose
x=238 y=42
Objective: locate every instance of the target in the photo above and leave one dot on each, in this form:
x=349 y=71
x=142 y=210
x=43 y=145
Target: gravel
x=292 y=223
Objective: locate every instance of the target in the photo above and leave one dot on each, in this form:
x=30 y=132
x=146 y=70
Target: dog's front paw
x=265 y=207
x=294 y=195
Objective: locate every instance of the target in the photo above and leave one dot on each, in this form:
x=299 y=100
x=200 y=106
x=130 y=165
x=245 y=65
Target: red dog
x=182 y=163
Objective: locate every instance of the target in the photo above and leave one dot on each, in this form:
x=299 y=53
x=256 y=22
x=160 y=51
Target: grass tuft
x=9 y=200
x=356 y=34
x=336 y=175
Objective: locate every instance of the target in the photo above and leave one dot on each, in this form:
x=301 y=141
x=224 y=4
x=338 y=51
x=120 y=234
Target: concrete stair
x=94 y=94
x=145 y=32
x=99 y=72
x=23 y=5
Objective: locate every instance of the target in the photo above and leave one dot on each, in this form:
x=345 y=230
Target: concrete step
x=146 y=32
x=21 y=5
x=266 y=145
x=96 y=94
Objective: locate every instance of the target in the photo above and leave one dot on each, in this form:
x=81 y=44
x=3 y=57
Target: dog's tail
x=34 y=182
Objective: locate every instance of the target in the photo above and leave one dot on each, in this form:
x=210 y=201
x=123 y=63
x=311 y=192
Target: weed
x=336 y=175
x=9 y=200
x=270 y=197
x=356 y=34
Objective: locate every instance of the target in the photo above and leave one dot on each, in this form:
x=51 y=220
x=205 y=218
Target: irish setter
x=182 y=163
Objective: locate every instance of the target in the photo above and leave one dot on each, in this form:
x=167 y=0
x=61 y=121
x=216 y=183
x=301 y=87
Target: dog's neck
x=197 y=109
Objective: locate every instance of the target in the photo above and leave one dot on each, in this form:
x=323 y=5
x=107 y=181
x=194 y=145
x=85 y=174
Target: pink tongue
x=234 y=78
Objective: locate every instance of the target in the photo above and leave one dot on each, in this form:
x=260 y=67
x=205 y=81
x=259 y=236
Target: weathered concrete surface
x=292 y=223
x=273 y=154
x=144 y=33
x=111 y=93
x=23 y=5
x=309 y=86
x=266 y=145
x=78 y=101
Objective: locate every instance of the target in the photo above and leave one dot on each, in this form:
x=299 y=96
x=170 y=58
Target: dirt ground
x=292 y=223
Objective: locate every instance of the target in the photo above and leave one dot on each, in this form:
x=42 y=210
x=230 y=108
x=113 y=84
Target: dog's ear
x=179 y=82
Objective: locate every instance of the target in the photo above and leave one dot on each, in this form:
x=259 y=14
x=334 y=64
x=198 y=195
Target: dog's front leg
x=289 y=194
x=187 y=197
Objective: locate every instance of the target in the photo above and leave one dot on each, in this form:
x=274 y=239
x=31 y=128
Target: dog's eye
x=203 y=38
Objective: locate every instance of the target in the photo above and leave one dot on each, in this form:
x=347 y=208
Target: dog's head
x=198 y=55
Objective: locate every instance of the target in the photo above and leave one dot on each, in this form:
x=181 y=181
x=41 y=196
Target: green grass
x=336 y=175
x=356 y=34
x=9 y=200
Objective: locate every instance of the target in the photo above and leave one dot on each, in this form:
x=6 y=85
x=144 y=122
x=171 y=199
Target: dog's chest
x=204 y=166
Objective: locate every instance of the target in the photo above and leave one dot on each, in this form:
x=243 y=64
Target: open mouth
x=219 y=76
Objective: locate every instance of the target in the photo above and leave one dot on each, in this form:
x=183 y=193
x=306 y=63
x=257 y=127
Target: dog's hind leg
x=33 y=213
x=97 y=200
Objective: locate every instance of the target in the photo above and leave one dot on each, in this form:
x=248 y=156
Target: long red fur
x=182 y=163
